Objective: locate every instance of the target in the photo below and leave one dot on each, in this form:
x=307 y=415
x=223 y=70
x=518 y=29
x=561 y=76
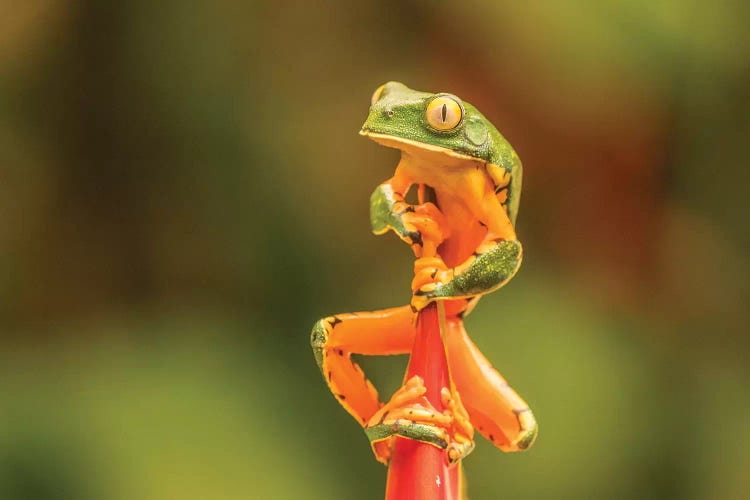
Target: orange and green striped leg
x=335 y=338
x=391 y=331
x=495 y=409
x=410 y=414
x=492 y=264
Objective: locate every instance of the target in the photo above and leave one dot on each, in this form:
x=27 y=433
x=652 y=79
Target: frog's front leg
x=335 y=338
x=409 y=414
x=420 y=226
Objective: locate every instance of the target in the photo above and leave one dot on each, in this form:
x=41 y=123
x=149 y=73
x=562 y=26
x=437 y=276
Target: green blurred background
x=183 y=193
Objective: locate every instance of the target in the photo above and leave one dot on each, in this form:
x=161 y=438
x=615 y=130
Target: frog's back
x=505 y=168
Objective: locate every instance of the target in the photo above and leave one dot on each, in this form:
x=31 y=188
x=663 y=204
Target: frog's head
x=407 y=119
x=442 y=127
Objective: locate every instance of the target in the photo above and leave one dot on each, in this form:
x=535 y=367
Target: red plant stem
x=420 y=471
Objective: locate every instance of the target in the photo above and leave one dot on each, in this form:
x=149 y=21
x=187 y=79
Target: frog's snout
x=379 y=116
x=380 y=112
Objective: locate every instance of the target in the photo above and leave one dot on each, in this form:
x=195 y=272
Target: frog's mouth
x=414 y=147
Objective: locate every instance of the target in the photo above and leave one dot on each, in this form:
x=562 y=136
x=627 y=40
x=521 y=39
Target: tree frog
x=466 y=247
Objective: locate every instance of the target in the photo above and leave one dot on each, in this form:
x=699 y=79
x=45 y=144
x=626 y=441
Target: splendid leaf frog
x=466 y=247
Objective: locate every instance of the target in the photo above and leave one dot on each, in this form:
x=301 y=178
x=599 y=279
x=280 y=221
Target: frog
x=465 y=247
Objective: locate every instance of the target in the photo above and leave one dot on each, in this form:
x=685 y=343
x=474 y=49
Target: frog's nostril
x=389 y=112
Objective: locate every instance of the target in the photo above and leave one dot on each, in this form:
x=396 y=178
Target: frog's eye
x=444 y=113
x=376 y=95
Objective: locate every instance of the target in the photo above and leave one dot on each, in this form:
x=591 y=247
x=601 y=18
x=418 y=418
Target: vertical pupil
x=445 y=111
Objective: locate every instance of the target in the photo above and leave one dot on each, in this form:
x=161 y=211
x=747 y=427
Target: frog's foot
x=424 y=228
x=429 y=272
x=462 y=432
x=409 y=414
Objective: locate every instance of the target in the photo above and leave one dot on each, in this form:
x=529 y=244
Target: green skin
x=400 y=112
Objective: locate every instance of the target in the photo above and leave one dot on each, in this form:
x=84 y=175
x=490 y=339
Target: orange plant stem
x=420 y=471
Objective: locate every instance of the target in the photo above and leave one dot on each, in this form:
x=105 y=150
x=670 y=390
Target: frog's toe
x=530 y=431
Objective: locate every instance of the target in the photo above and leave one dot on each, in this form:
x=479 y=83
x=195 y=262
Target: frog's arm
x=335 y=338
x=494 y=408
x=412 y=223
x=492 y=264
x=387 y=207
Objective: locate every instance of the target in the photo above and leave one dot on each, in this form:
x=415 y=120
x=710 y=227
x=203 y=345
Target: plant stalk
x=417 y=470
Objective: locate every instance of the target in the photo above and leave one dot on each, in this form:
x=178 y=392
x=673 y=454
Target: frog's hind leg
x=493 y=263
x=335 y=338
x=494 y=408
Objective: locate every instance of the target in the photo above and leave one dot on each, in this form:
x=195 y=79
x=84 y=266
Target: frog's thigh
x=335 y=338
x=494 y=408
x=497 y=220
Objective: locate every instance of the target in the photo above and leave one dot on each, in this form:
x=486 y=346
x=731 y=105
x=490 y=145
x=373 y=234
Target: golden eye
x=444 y=113
x=376 y=94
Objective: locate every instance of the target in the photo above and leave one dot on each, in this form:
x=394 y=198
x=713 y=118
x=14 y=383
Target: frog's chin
x=414 y=147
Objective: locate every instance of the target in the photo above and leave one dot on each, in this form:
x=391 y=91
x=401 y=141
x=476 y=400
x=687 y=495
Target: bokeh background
x=183 y=193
